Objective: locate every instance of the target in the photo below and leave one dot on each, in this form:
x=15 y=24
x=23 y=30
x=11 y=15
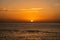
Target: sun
x=31 y=20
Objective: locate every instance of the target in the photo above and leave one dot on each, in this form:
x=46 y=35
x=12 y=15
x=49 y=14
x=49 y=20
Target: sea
x=29 y=31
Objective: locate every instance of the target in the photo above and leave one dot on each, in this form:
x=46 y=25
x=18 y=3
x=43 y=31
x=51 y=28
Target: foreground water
x=29 y=31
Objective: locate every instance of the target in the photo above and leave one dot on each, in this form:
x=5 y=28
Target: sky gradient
x=26 y=10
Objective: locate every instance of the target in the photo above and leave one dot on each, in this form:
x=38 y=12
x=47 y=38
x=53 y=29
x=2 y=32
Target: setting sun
x=32 y=20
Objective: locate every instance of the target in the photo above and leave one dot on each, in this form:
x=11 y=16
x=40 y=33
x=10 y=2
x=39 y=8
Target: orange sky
x=26 y=10
x=36 y=14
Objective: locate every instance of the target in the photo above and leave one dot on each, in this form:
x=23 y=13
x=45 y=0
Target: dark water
x=29 y=31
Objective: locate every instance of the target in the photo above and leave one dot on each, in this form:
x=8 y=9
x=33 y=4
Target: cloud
x=57 y=4
x=32 y=9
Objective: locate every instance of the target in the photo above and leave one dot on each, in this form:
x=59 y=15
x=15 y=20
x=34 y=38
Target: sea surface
x=29 y=31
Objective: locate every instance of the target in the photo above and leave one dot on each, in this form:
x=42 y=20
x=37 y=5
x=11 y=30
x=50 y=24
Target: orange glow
x=36 y=14
x=29 y=14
